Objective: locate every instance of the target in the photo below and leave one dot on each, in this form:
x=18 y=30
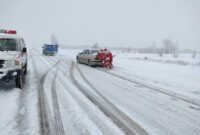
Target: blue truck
x=56 y=48
x=49 y=49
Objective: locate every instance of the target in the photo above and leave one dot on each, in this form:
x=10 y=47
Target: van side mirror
x=24 y=50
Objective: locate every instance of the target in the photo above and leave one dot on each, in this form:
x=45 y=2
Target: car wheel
x=19 y=80
x=90 y=63
x=77 y=59
x=25 y=70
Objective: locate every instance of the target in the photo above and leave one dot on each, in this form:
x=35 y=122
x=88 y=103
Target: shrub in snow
x=175 y=55
x=194 y=55
x=160 y=54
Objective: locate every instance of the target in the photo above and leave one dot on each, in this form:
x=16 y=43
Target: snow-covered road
x=158 y=113
x=62 y=97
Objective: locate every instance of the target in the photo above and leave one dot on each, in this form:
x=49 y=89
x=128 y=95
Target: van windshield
x=7 y=44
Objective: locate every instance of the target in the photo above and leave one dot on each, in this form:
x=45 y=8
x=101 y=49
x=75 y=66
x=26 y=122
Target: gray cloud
x=135 y=23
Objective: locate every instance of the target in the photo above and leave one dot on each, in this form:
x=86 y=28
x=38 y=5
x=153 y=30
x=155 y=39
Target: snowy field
x=144 y=94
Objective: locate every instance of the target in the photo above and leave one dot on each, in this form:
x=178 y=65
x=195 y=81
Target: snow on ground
x=76 y=111
x=170 y=77
x=175 y=78
x=156 y=94
x=156 y=112
x=19 y=108
x=181 y=59
x=8 y=105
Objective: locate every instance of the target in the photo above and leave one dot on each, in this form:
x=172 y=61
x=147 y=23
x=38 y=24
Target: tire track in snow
x=157 y=89
x=45 y=124
x=127 y=125
x=87 y=108
x=166 y=110
x=21 y=117
x=58 y=124
x=59 y=129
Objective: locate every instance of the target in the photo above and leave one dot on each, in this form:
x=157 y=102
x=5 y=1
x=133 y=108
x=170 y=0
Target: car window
x=87 y=52
x=20 y=45
x=84 y=51
x=23 y=42
x=7 y=44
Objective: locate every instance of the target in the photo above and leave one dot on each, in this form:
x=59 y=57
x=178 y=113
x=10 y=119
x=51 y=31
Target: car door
x=81 y=56
x=23 y=55
x=19 y=46
x=93 y=54
x=85 y=57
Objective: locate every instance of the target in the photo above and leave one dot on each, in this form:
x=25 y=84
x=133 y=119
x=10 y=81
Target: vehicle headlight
x=9 y=63
x=17 y=62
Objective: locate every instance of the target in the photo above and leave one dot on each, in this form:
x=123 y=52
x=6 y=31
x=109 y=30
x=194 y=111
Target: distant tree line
x=168 y=46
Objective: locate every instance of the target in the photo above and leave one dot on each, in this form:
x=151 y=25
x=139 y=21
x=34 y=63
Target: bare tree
x=161 y=51
x=175 y=49
x=54 y=39
x=128 y=49
x=167 y=43
x=170 y=47
x=96 y=46
x=194 y=55
x=153 y=48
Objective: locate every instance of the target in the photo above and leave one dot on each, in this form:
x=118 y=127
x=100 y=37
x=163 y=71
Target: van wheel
x=19 y=80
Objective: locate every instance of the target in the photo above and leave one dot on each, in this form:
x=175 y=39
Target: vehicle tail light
x=97 y=56
x=11 y=32
x=8 y=31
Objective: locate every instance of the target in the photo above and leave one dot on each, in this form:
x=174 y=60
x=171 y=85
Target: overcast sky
x=134 y=23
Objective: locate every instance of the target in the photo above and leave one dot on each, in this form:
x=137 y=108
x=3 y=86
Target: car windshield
x=94 y=51
x=7 y=44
